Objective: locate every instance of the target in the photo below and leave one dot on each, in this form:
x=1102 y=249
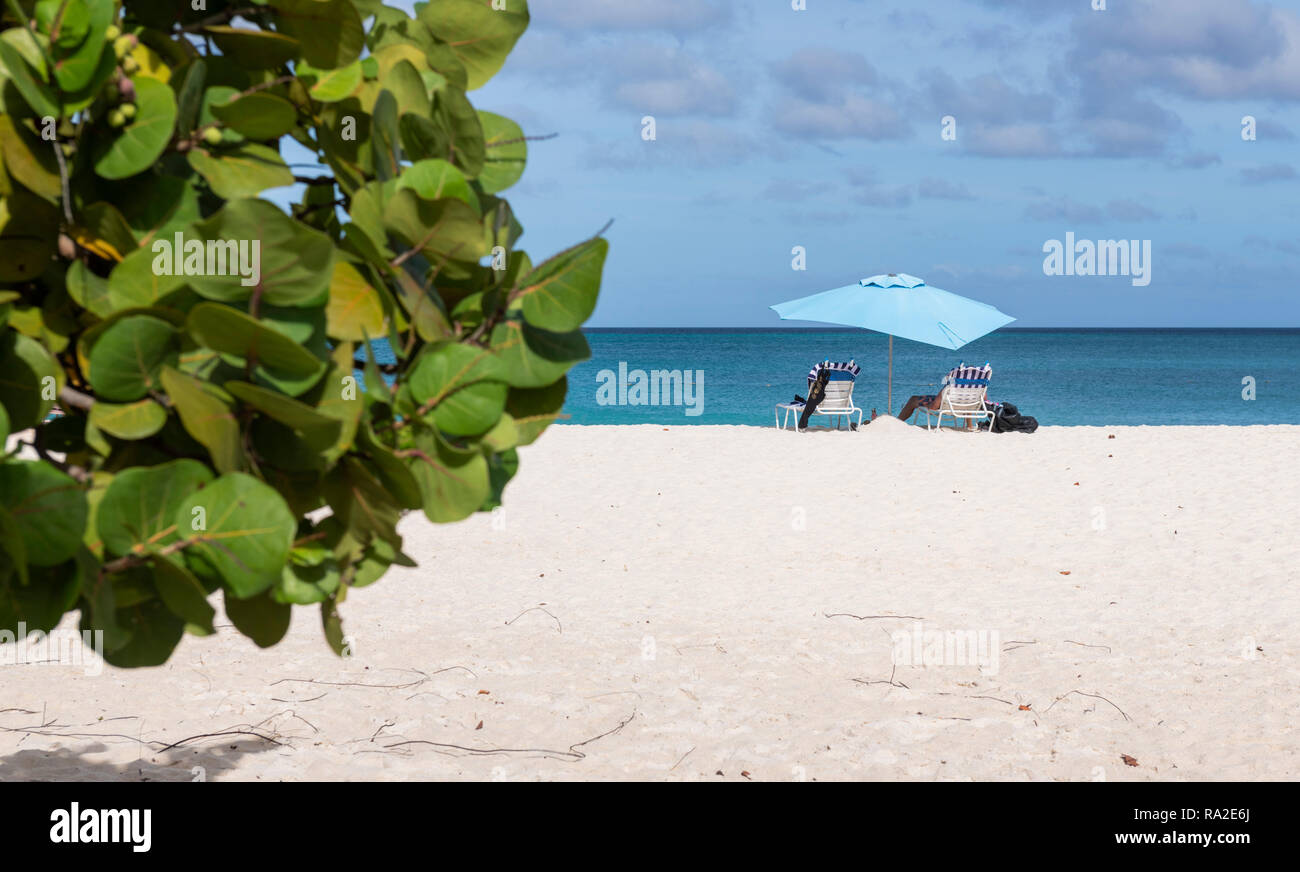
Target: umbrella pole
x=889 y=404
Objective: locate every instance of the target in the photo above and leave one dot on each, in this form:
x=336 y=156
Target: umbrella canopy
x=900 y=305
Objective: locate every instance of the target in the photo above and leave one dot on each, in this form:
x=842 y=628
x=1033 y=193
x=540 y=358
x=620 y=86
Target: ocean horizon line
x=842 y=329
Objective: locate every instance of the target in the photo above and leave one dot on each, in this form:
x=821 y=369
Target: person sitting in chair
x=933 y=401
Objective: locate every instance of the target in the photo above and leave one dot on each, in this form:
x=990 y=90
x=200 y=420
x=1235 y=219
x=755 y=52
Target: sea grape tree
x=225 y=425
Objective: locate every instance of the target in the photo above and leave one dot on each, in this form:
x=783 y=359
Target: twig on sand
x=419 y=681
x=681 y=758
x=558 y=625
x=1094 y=696
x=308 y=699
x=891 y=682
x=871 y=617
x=264 y=738
x=1086 y=645
x=572 y=754
x=1018 y=643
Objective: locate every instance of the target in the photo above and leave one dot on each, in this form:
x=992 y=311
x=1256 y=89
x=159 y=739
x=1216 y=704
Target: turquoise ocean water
x=1060 y=376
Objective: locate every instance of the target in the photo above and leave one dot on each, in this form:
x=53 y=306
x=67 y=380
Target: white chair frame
x=965 y=403
x=837 y=403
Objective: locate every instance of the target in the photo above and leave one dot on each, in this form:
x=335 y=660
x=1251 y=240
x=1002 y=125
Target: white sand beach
x=708 y=603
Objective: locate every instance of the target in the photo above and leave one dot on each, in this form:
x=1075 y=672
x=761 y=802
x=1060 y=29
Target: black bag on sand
x=816 y=393
x=1009 y=420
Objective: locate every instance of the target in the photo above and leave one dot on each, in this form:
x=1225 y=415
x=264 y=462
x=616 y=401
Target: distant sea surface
x=1060 y=376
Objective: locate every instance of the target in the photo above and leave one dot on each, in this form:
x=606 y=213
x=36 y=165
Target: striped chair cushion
x=964 y=376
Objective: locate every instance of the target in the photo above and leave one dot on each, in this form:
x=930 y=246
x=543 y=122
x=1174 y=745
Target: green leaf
x=182 y=594
x=66 y=22
x=102 y=229
x=454 y=482
x=256 y=49
x=49 y=508
x=13 y=550
x=332 y=624
x=501 y=468
x=424 y=308
x=29 y=159
x=137 y=146
x=215 y=95
x=126 y=357
x=560 y=294
x=507 y=152
x=248 y=533
x=464 y=132
x=136 y=283
x=406 y=86
x=189 y=96
x=98 y=605
x=29 y=228
x=480 y=34
x=361 y=502
x=42 y=602
x=40 y=97
x=260 y=618
x=463 y=385
x=296 y=261
x=83 y=74
x=440 y=229
x=317 y=431
x=433 y=179
x=534 y=409
x=154 y=633
x=385 y=143
x=258 y=115
x=242 y=171
x=329 y=31
x=230 y=331
x=207 y=418
x=156 y=206
x=355 y=309
x=503 y=436
x=338 y=398
x=330 y=86
x=30 y=379
x=390 y=471
x=307 y=585
x=137 y=513
x=534 y=358
x=138 y=420
x=82 y=67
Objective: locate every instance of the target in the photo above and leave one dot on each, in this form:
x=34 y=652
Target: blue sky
x=821 y=128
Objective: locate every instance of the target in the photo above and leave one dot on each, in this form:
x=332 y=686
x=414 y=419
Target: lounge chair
x=963 y=398
x=838 y=401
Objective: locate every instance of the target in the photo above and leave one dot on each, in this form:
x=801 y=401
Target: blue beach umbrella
x=900 y=305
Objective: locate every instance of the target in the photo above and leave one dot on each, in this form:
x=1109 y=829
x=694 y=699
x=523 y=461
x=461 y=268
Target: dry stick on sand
x=1086 y=645
x=891 y=682
x=214 y=735
x=1094 y=696
x=1018 y=643
x=558 y=625
x=415 y=683
x=572 y=754
x=871 y=617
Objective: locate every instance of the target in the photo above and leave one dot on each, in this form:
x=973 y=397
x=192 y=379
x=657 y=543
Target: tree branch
x=219 y=18
x=76 y=399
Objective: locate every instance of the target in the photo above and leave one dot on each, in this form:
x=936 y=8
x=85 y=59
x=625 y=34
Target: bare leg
x=911 y=406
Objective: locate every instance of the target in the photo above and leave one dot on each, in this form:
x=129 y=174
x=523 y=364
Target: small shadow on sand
x=178 y=764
